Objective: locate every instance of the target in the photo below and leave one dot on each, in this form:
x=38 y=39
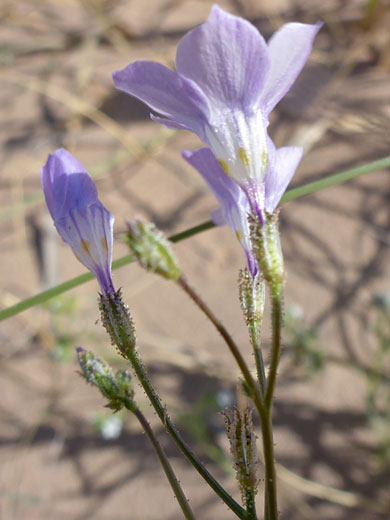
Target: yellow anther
x=244 y=155
x=85 y=246
x=239 y=235
x=264 y=158
x=224 y=166
x=103 y=242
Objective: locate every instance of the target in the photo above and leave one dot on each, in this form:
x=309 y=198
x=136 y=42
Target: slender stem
x=181 y=498
x=263 y=411
x=251 y=504
x=276 y=300
x=266 y=506
x=336 y=178
x=271 y=503
x=254 y=329
x=270 y=507
x=171 y=429
x=295 y=193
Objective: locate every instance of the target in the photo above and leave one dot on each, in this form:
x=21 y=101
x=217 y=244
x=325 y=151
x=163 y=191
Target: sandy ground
x=56 y=61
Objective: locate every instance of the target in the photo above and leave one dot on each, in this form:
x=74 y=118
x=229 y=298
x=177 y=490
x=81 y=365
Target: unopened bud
x=117 y=321
x=252 y=296
x=115 y=388
x=242 y=440
x=267 y=249
x=152 y=249
x=124 y=381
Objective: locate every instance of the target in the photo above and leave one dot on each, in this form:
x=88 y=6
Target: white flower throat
x=239 y=142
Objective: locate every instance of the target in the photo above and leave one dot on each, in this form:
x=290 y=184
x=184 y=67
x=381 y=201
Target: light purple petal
x=225 y=190
x=289 y=49
x=166 y=92
x=234 y=205
x=280 y=174
x=66 y=184
x=227 y=57
x=172 y=125
x=89 y=233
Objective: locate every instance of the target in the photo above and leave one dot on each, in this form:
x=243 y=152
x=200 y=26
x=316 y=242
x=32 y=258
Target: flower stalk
x=254 y=391
x=277 y=322
x=118 y=390
x=171 y=429
x=175 y=485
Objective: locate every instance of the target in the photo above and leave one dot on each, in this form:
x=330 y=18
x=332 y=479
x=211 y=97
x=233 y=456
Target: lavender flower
x=227 y=81
x=80 y=218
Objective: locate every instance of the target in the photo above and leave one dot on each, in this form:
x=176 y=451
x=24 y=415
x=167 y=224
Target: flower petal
x=66 y=184
x=289 y=49
x=89 y=232
x=226 y=191
x=227 y=57
x=233 y=201
x=280 y=174
x=164 y=91
x=172 y=125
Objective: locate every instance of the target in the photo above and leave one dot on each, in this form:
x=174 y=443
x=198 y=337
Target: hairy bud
x=252 y=296
x=152 y=249
x=114 y=387
x=267 y=249
x=242 y=440
x=117 y=321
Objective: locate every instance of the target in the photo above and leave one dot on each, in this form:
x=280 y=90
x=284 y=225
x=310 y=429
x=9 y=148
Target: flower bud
x=267 y=249
x=117 y=321
x=239 y=428
x=115 y=388
x=252 y=296
x=152 y=249
x=80 y=218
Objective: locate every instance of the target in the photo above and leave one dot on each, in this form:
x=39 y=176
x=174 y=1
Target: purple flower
x=234 y=205
x=80 y=218
x=227 y=81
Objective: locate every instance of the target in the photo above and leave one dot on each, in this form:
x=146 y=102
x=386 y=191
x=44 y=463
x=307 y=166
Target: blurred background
x=62 y=454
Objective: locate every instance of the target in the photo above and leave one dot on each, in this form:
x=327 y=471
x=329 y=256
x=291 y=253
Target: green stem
x=270 y=507
x=295 y=193
x=171 y=429
x=271 y=503
x=254 y=329
x=337 y=178
x=266 y=507
x=181 y=498
x=257 y=396
x=276 y=300
x=250 y=504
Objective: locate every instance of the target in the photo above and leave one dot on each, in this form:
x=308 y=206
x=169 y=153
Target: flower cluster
x=227 y=81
